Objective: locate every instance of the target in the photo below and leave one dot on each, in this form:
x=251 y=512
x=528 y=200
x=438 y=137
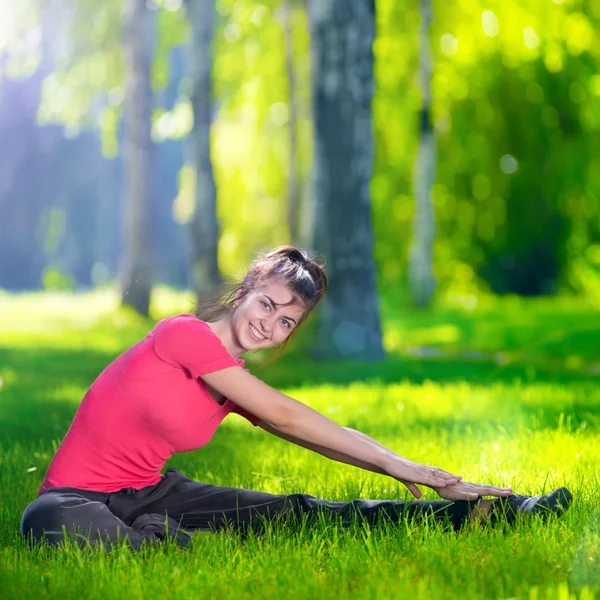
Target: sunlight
x=7 y=23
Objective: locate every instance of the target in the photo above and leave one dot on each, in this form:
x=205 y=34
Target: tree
x=138 y=41
x=204 y=226
x=342 y=35
x=422 y=280
x=293 y=191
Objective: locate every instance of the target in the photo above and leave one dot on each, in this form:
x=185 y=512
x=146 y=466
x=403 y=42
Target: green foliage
x=516 y=113
x=515 y=100
x=172 y=31
x=250 y=140
x=53 y=280
x=20 y=38
x=88 y=66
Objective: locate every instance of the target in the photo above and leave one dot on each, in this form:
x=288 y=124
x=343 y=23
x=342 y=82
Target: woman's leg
x=85 y=517
x=201 y=506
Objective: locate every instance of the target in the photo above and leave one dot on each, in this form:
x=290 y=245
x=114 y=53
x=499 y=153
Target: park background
x=442 y=158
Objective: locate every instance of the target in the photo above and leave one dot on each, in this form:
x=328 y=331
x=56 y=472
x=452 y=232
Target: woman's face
x=266 y=316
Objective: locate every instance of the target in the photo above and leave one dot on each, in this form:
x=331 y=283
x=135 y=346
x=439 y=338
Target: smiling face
x=266 y=316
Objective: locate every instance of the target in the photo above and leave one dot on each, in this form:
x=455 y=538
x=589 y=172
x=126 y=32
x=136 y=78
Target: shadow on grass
x=293 y=371
x=44 y=387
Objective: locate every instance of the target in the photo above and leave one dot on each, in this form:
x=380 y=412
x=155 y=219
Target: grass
x=506 y=393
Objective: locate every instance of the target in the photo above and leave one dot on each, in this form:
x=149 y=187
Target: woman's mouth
x=259 y=337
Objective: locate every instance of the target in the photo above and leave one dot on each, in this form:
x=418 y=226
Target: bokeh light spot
x=279 y=113
x=232 y=32
x=508 y=164
x=553 y=60
x=489 y=23
x=258 y=14
x=530 y=38
x=449 y=44
x=116 y=96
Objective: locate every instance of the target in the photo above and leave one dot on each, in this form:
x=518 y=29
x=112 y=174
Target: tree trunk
x=204 y=227
x=136 y=274
x=293 y=191
x=422 y=279
x=342 y=35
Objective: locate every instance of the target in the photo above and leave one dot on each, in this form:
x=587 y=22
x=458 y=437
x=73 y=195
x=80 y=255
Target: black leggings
x=101 y=517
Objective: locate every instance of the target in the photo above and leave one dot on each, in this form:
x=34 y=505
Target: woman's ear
x=237 y=298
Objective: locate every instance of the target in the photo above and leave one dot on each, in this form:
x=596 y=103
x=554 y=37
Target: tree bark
x=342 y=35
x=293 y=191
x=204 y=226
x=421 y=277
x=136 y=273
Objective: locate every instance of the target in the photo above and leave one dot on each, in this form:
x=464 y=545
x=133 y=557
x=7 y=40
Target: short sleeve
x=188 y=342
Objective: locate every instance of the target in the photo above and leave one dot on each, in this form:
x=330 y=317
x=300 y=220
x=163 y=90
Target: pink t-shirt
x=146 y=405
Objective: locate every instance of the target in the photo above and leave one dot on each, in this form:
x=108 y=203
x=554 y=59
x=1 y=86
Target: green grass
x=521 y=408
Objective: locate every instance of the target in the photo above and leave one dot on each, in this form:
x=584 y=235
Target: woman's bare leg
x=481 y=511
x=556 y=502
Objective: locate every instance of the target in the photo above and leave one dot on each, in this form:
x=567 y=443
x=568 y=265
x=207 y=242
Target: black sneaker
x=556 y=502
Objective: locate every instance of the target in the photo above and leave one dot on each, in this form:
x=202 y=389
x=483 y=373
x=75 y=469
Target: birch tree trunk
x=342 y=35
x=293 y=191
x=421 y=277
x=136 y=272
x=204 y=227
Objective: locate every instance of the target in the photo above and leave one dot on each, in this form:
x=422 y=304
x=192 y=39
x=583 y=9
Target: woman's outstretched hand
x=410 y=473
x=463 y=490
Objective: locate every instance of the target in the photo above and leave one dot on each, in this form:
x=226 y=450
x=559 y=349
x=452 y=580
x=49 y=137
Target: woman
x=170 y=391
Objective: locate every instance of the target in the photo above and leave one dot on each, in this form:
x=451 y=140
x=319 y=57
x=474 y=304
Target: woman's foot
x=507 y=509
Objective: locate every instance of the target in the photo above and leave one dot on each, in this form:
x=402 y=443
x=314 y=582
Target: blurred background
x=429 y=151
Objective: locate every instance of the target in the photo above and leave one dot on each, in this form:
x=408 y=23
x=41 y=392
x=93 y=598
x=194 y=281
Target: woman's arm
x=463 y=490
x=326 y=452
x=458 y=491
x=302 y=422
x=344 y=458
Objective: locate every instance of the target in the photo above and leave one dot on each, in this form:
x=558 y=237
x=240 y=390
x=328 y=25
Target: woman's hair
x=303 y=276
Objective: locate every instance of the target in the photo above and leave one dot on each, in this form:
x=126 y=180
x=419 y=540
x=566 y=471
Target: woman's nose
x=266 y=327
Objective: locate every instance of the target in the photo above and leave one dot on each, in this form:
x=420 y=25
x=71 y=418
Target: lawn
x=505 y=392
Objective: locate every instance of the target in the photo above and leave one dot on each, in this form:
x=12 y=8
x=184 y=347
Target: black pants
x=99 y=517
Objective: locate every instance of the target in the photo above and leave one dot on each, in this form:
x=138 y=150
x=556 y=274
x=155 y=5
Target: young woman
x=170 y=391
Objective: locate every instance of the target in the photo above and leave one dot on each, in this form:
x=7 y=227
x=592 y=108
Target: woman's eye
x=265 y=304
x=286 y=323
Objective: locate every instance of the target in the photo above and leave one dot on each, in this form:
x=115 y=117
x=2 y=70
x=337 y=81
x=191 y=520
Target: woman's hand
x=409 y=473
x=463 y=490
